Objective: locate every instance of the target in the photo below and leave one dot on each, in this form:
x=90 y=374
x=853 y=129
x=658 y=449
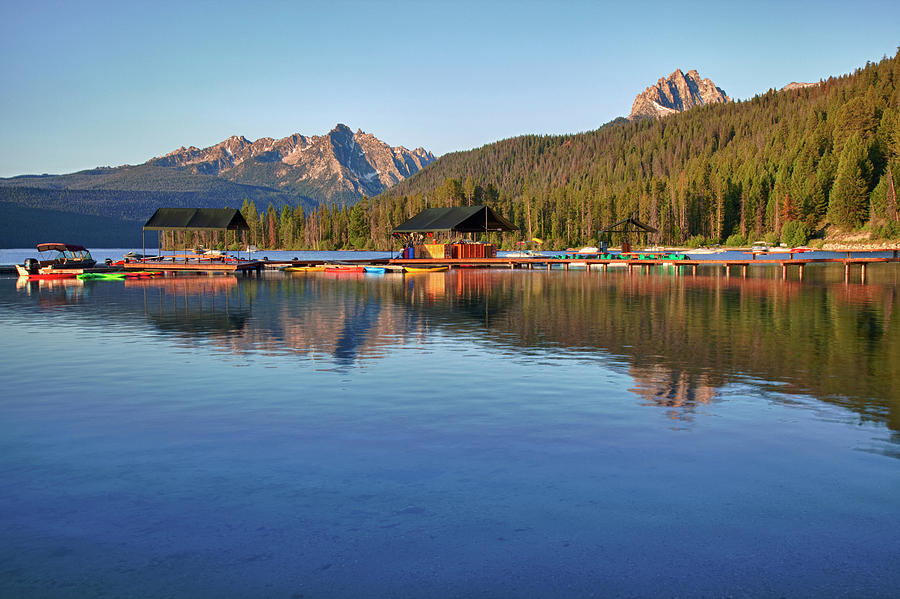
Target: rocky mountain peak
x=338 y=165
x=676 y=93
x=797 y=85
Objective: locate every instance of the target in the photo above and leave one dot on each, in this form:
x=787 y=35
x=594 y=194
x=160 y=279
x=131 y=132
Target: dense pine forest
x=785 y=166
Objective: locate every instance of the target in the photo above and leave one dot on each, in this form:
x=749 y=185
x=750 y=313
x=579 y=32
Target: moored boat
x=69 y=256
x=416 y=269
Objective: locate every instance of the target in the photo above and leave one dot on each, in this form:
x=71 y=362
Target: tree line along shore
x=814 y=166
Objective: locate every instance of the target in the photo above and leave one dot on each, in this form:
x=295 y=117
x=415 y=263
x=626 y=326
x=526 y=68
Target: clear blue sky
x=108 y=83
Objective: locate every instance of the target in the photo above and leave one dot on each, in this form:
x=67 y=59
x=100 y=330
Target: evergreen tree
x=848 y=204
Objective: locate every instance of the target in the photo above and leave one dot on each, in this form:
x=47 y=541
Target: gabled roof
x=461 y=219
x=636 y=227
x=196 y=218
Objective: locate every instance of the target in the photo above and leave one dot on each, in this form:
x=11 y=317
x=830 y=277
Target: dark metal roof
x=461 y=219
x=60 y=247
x=196 y=218
x=637 y=227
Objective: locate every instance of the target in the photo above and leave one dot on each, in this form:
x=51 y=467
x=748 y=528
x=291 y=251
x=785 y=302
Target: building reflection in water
x=193 y=305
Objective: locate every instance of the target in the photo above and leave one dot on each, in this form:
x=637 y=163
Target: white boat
x=68 y=256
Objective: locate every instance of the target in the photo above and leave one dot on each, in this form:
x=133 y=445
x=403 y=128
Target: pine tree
x=891 y=203
x=848 y=203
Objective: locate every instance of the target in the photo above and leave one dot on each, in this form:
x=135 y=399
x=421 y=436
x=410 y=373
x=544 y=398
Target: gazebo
x=626 y=228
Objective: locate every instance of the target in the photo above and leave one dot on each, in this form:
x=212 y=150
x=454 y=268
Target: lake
x=476 y=433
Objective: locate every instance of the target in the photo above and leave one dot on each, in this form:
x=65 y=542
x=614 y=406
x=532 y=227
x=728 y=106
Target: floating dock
x=207 y=265
x=636 y=260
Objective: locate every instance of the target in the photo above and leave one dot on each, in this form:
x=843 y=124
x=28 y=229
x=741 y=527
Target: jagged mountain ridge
x=338 y=165
x=676 y=93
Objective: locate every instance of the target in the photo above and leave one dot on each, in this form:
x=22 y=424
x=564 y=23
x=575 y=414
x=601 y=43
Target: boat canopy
x=459 y=219
x=60 y=247
x=166 y=219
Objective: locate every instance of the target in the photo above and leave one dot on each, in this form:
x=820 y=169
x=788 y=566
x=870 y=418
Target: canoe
x=378 y=270
x=415 y=269
x=318 y=268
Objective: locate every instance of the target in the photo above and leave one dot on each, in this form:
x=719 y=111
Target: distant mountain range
x=339 y=167
x=676 y=93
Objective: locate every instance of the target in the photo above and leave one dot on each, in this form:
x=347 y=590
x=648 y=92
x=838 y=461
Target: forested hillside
x=783 y=166
x=786 y=164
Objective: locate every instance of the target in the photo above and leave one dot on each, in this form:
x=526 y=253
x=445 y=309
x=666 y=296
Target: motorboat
x=69 y=256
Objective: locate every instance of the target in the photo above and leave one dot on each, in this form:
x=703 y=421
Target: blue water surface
x=462 y=434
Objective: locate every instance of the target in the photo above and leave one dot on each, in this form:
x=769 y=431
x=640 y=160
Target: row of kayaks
x=348 y=269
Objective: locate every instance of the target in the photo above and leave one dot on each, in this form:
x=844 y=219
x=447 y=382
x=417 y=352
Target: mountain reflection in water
x=470 y=433
x=681 y=339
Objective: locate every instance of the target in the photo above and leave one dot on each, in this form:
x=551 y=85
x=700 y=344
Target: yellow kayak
x=427 y=268
x=319 y=268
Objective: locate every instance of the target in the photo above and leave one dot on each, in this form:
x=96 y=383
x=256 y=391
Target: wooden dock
x=206 y=265
x=787 y=261
x=680 y=266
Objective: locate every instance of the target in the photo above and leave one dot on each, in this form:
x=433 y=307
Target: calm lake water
x=478 y=433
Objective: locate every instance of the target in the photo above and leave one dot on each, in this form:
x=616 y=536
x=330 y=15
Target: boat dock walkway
x=566 y=261
x=580 y=261
x=206 y=265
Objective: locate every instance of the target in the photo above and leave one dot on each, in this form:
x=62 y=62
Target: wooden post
x=694 y=270
x=862 y=274
x=783 y=271
x=744 y=268
x=846 y=272
x=801 y=272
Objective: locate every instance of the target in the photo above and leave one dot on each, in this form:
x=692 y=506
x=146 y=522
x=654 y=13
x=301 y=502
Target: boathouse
x=172 y=220
x=422 y=232
x=195 y=219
